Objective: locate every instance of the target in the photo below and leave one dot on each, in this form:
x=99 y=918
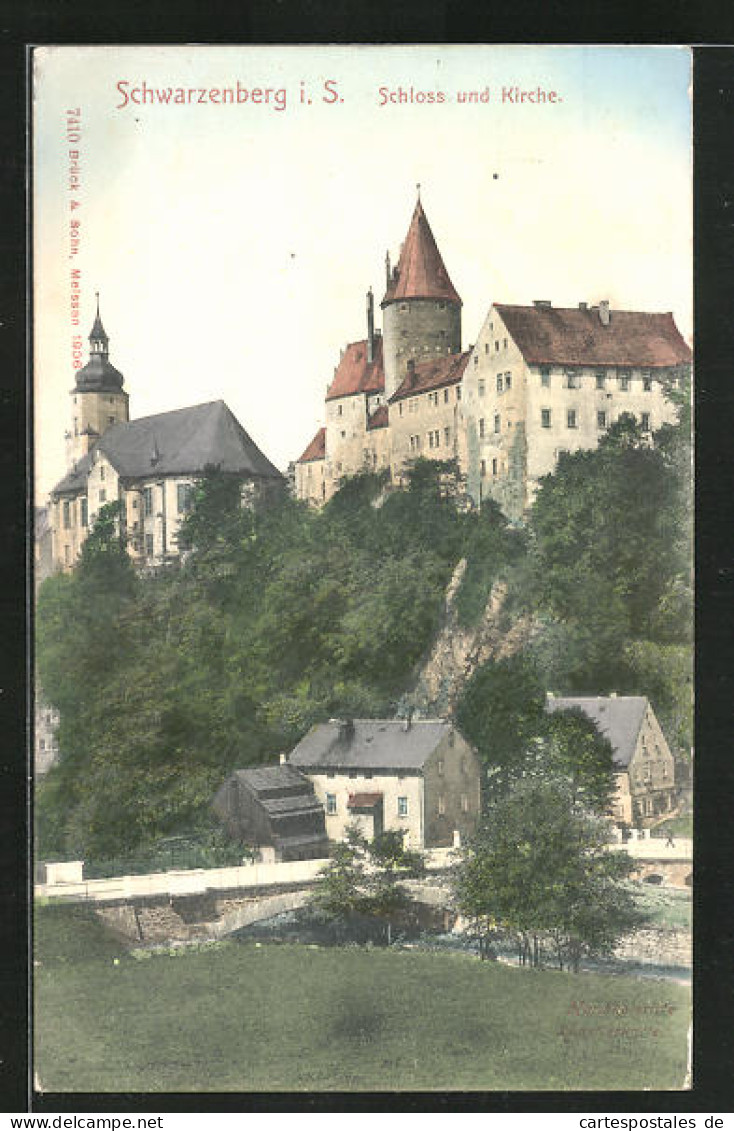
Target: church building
x=539 y=381
x=149 y=465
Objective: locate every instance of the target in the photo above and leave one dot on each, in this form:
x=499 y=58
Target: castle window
x=486 y=345
x=601 y=380
x=545 y=377
x=67 y=514
x=483 y=469
x=476 y=360
x=404 y=306
x=76 y=426
x=67 y=555
x=83 y=511
x=147 y=501
x=499 y=383
x=497 y=423
x=447 y=436
x=101 y=471
x=645 y=422
x=330 y=804
x=458 y=392
x=504 y=343
x=508 y=380
x=496 y=347
x=400 y=409
x=624 y=380
x=339 y=409
x=545 y=418
x=571 y=379
x=445 y=396
x=601 y=420
x=402 y=807
x=571 y=419
x=494 y=467
x=481 y=429
x=481 y=388
x=149 y=544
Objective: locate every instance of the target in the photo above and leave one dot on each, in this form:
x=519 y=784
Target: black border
x=280 y=21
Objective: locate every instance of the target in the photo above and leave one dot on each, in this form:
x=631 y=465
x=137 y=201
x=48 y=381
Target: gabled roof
x=182 y=442
x=355 y=374
x=432 y=374
x=557 y=336
x=75 y=481
x=378 y=744
x=420 y=272
x=379 y=418
x=279 y=776
x=316 y=449
x=618 y=717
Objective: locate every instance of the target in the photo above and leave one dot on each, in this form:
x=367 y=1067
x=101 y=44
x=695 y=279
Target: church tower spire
x=422 y=308
x=98 y=397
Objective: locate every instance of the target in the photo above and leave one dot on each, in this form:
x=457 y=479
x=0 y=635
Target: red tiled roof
x=363 y=800
x=379 y=418
x=432 y=374
x=355 y=374
x=550 y=335
x=316 y=449
x=420 y=272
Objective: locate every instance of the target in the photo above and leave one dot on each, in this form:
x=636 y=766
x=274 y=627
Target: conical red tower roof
x=420 y=272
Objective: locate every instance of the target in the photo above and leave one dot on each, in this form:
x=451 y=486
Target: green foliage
x=492 y=546
x=541 y=870
x=363 y=878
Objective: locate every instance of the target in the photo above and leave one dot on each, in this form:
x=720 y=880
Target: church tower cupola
x=98 y=397
x=422 y=308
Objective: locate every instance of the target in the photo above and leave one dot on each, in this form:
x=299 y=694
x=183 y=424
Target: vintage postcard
x=363 y=717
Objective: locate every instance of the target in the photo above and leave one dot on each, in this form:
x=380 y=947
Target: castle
x=538 y=382
x=149 y=466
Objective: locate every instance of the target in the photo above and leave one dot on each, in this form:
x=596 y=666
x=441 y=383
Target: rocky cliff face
x=458 y=651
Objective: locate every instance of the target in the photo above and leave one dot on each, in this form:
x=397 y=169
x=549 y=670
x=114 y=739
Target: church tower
x=98 y=398
x=422 y=310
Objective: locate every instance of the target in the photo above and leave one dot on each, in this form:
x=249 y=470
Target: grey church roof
x=371 y=744
x=181 y=442
x=618 y=717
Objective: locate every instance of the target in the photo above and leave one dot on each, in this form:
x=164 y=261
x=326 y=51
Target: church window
x=571 y=418
x=545 y=418
x=545 y=377
x=147 y=501
x=83 y=512
x=497 y=423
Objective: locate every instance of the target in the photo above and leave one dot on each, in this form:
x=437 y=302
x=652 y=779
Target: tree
x=364 y=880
x=572 y=749
x=540 y=869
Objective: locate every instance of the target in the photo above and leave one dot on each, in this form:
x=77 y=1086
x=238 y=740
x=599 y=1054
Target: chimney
x=411 y=372
x=583 y=306
x=542 y=302
x=370 y=326
x=604 y=315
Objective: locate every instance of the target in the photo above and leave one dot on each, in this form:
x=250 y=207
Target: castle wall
x=424 y=425
x=417 y=328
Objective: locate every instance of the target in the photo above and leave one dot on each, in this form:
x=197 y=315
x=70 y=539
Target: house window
x=400 y=408
x=497 y=423
x=441 y=805
x=545 y=377
x=571 y=379
x=339 y=410
x=486 y=345
x=402 y=807
x=483 y=469
x=67 y=514
x=481 y=428
x=601 y=380
x=481 y=387
x=445 y=396
x=571 y=418
x=147 y=501
x=645 y=422
x=102 y=495
x=545 y=418
x=496 y=347
x=646 y=382
x=149 y=544
x=601 y=420
x=330 y=804
x=499 y=382
x=494 y=467
x=624 y=380
x=504 y=343
x=83 y=512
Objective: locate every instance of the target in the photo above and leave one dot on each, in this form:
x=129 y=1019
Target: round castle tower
x=421 y=308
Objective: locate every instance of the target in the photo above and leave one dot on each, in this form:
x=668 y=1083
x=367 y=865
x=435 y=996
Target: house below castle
x=540 y=381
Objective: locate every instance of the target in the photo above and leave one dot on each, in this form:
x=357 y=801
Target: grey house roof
x=619 y=719
x=181 y=442
x=378 y=744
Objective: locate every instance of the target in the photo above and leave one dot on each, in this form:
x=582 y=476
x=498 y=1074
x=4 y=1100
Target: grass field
x=244 y=1017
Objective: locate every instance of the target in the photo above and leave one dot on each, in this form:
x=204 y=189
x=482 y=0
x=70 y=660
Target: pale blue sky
x=233 y=245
